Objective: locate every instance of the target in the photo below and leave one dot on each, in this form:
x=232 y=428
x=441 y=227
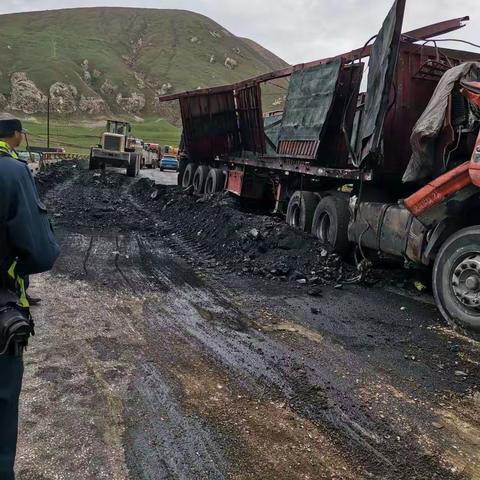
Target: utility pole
x=48 y=121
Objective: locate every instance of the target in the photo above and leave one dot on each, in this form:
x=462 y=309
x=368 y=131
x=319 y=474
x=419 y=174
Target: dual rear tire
x=326 y=218
x=202 y=179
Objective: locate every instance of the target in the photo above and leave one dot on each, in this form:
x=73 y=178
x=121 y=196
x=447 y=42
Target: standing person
x=27 y=246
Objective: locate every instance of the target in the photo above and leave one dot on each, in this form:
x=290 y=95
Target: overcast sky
x=298 y=30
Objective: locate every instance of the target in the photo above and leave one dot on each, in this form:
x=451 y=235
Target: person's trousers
x=11 y=374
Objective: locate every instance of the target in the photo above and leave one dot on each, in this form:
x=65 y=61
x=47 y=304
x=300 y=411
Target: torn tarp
x=429 y=125
x=383 y=60
x=309 y=101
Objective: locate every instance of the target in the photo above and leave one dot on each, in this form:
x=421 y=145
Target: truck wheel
x=188 y=174
x=301 y=209
x=456 y=279
x=330 y=223
x=215 y=181
x=182 y=165
x=199 y=179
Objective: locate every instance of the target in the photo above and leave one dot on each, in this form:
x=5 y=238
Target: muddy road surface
x=157 y=359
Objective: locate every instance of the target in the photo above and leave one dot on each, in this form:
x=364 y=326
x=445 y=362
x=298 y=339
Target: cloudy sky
x=299 y=30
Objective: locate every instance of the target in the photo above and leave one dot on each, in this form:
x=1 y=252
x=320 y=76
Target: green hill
x=98 y=61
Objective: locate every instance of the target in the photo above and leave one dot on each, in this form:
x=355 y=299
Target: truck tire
x=199 y=179
x=301 y=209
x=182 y=165
x=188 y=174
x=456 y=279
x=330 y=223
x=215 y=181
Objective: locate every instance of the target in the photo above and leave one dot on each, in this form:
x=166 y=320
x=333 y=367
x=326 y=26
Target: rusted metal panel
x=291 y=165
x=409 y=98
x=210 y=125
x=250 y=119
x=306 y=149
x=436 y=29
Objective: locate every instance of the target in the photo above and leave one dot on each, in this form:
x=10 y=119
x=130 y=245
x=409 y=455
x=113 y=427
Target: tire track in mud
x=190 y=306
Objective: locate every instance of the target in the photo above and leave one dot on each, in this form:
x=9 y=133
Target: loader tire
x=215 y=181
x=188 y=174
x=134 y=167
x=199 y=179
x=301 y=209
x=93 y=164
x=456 y=280
x=330 y=223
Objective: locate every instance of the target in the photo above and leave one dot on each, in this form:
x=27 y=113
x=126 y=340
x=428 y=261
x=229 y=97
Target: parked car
x=168 y=162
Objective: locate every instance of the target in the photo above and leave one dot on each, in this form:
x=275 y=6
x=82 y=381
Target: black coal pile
x=57 y=174
x=250 y=243
x=79 y=198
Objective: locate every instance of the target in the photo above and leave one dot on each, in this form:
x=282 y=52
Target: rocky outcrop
x=26 y=96
x=230 y=63
x=109 y=89
x=63 y=98
x=92 y=105
x=164 y=89
x=87 y=76
x=140 y=78
x=133 y=104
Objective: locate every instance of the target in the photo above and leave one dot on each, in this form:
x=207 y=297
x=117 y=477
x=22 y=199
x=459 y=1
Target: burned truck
x=391 y=171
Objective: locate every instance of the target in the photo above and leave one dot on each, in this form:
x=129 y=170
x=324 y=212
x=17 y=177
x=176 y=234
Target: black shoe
x=33 y=301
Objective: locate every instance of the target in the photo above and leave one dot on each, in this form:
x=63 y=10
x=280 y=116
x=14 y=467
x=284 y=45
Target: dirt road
x=155 y=361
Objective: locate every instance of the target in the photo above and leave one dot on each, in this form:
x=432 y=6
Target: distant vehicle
x=118 y=149
x=168 y=162
x=151 y=155
x=29 y=156
x=169 y=150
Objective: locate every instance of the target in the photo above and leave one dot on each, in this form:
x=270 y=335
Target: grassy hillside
x=136 y=51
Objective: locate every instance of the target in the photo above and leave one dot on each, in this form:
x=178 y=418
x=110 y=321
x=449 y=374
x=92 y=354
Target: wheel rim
x=323 y=228
x=295 y=218
x=465 y=281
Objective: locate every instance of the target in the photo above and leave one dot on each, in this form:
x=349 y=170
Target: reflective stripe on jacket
x=7 y=150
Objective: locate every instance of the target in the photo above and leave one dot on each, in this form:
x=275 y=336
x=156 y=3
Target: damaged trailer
x=394 y=170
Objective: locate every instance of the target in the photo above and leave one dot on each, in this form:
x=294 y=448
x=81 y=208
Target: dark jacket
x=25 y=231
